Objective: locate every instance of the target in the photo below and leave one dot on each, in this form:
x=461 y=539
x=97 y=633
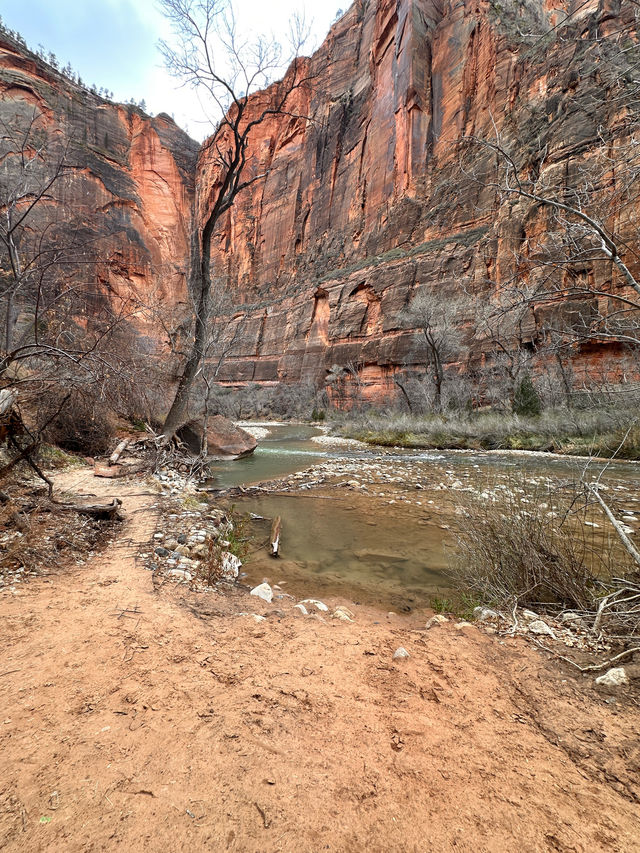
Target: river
x=377 y=525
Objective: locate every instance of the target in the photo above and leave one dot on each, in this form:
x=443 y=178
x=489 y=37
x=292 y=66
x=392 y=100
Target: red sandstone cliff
x=365 y=203
x=128 y=179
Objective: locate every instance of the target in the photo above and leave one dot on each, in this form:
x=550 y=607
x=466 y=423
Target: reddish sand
x=144 y=719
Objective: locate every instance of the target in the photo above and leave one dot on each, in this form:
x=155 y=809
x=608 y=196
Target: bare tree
x=58 y=327
x=209 y=55
x=439 y=318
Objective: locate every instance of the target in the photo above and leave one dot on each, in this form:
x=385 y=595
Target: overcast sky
x=112 y=43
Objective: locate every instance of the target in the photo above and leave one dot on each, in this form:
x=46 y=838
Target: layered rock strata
x=127 y=184
x=375 y=193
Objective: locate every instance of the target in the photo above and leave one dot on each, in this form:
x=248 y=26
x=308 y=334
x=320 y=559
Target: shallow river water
x=377 y=525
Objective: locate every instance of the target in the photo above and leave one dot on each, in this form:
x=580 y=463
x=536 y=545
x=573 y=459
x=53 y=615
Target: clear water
x=347 y=546
x=346 y=543
x=287 y=449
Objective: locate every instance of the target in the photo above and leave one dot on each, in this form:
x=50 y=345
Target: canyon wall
x=127 y=187
x=377 y=188
x=375 y=193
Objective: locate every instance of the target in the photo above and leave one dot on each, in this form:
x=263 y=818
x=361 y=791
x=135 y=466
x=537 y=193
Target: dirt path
x=164 y=720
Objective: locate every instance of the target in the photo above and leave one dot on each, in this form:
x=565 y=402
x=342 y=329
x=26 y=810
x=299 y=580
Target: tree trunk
x=200 y=289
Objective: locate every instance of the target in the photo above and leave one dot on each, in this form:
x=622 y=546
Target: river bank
x=597 y=432
x=156 y=716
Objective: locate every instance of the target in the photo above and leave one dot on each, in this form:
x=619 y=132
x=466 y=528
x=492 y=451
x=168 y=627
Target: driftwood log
x=117 y=453
x=276 y=529
x=101 y=511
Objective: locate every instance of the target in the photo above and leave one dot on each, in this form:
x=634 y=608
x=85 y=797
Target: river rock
x=171 y=544
x=199 y=551
x=229 y=568
x=161 y=552
x=401 y=654
x=616 y=677
x=184 y=550
x=343 y=614
x=300 y=610
x=264 y=592
x=541 y=628
x=179 y=574
x=314 y=604
x=485 y=614
x=438 y=619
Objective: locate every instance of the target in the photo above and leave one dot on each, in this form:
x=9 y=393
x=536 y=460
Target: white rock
x=616 y=677
x=540 y=627
x=230 y=566
x=569 y=618
x=529 y=614
x=179 y=574
x=438 y=619
x=257 y=618
x=400 y=654
x=300 y=610
x=460 y=625
x=264 y=592
x=343 y=614
x=314 y=603
x=484 y=614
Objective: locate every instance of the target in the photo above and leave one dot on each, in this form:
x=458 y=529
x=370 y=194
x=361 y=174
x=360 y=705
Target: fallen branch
x=617 y=526
x=593 y=667
x=276 y=529
x=96 y=510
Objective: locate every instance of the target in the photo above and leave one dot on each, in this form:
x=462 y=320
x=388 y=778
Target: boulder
x=224 y=438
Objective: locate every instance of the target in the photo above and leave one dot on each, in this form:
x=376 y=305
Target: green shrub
x=526 y=400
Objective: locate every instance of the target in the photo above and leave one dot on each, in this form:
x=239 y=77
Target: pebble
x=315 y=604
x=616 y=677
x=343 y=614
x=264 y=592
x=438 y=619
x=179 y=574
x=401 y=654
x=300 y=610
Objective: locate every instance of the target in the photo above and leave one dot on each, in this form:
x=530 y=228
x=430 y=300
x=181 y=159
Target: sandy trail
x=139 y=719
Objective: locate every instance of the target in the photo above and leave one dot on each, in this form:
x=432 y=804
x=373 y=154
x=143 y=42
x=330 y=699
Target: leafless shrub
x=84 y=424
x=519 y=544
